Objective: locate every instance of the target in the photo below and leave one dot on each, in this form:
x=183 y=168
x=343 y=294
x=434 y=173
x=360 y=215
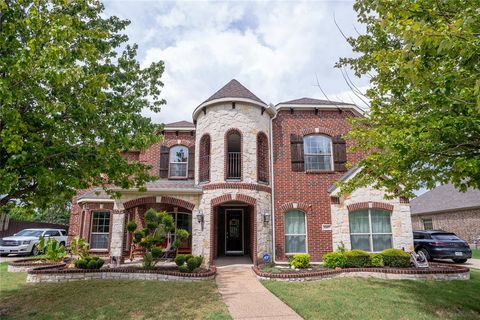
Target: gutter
x=273 y=185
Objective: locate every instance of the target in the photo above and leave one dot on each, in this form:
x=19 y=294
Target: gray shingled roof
x=234 y=89
x=179 y=124
x=445 y=198
x=311 y=101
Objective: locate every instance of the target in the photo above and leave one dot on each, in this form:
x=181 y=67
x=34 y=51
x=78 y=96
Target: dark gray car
x=439 y=244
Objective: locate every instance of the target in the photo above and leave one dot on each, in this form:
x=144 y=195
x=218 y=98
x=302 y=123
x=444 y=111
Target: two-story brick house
x=247 y=178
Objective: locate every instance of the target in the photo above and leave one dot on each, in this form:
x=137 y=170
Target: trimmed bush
x=357 y=259
x=376 y=260
x=334 y=259
x=157 y=252
x=300 y=260
x=89 y=263
x=192 y=263
x=180 y=260
x=395 y=258
x=188 y=262
x=183 y=268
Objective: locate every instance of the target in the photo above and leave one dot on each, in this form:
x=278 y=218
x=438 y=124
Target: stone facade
x=373 y=198
x=464 y=223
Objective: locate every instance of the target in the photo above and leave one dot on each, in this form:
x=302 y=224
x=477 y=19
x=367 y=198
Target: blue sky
x=275 y=48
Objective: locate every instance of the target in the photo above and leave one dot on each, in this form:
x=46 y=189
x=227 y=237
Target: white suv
x=25 y=242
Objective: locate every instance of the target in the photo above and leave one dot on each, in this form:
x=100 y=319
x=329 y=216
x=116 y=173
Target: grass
x=355 y=298
x=108 y=299
x=476 y=253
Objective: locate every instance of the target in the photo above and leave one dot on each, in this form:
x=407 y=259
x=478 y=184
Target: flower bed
x=24 y=265
x=436 y=271
x=62 y=274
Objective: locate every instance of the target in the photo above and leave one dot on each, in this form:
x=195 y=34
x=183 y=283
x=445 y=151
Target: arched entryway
x=233 y=227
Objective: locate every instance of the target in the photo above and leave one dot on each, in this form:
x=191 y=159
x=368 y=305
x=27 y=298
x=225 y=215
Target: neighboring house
x=246 y=178
x=448 y=209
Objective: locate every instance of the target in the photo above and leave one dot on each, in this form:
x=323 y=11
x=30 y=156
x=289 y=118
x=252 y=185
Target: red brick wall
x=309 y=189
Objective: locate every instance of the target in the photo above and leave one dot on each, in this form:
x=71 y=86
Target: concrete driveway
x=471 y=263
x=11 y=257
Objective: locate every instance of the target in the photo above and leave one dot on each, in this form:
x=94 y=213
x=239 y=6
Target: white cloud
x=274 y=48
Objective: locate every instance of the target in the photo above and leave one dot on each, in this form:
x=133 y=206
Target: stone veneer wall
x=464 y=223
x=400 y=218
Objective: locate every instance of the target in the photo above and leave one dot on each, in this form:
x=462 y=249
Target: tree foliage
x=423 y=126
x=71 y=96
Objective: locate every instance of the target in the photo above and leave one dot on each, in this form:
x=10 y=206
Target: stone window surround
x=370 y=231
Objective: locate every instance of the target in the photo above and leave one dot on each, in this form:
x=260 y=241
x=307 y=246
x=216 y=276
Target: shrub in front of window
x=79 y=246
x=300 y=260
x=334 y=260
x=376 y=260
x=89 y=262
x=395 y=258
x=53 y=251
x=357 y=259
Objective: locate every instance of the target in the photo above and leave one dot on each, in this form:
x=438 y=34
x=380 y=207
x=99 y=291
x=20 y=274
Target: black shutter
x=191 y=162
x=339 y=153
x=296 y=152
x=164 y=157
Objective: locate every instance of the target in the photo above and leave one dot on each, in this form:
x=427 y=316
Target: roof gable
x=234 y=89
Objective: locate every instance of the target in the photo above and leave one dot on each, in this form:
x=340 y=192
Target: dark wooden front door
x=234 y=231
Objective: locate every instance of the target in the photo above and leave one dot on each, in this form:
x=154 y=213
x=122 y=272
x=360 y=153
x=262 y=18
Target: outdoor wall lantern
x=266 y=217
x=200 y=217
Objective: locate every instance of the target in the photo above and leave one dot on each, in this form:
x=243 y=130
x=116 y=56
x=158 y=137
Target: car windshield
x=30 y=233
x=445 y=236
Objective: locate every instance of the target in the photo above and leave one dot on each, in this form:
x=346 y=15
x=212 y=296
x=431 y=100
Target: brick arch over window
x=163 y=199
x=325 y=131
x=204 y=158
x=365 y=205
x=173 y=142
x=262 y=157
x=233 y=197
x=303 y=206
x=233 y=166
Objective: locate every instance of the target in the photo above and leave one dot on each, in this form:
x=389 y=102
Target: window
x=370 y=230
x=317 y=152
x=427 y=224
x=234 y=156
x=52 y=233
x=295 y=232
x=100 y=230
x=182 y=221
x=204 y=160
x=262 y=157
x=178 y=161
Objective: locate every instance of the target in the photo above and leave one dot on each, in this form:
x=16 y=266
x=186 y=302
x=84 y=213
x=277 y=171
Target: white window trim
x=107 y=233
x=170 y=162
x=295 y=234
x=370 y=233
x=319 y=154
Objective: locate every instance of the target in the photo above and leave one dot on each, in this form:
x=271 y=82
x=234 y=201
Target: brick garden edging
x=54 y=274
x=436 y=272
x=27 y=264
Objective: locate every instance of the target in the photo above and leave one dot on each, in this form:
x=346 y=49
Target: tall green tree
x=71 y=96
x=423 y=126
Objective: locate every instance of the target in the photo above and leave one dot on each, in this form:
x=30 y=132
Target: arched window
x=370 y=229
x=178 y=162
x=318 y=152
x=262 y=157
x=295 y=232
x=204 y=158
x=234 y=155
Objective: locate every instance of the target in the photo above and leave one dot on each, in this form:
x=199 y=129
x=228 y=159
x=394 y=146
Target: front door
x=234 y=231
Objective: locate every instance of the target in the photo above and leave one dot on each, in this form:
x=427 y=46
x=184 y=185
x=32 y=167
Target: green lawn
x=355 y=298
x=108 y=299
x=476 y=253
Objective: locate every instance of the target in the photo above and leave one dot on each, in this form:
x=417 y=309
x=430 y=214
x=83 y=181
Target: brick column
x=117 y=233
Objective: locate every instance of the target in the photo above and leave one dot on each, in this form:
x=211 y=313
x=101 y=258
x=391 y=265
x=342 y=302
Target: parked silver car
x=25 y=242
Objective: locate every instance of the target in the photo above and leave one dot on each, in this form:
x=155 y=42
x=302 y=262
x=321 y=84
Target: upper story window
x=318 y=152
x=234 y=155
x=204 y=158
x=370 y=230
x=178 y=162
x=262 y=157
x=100 y=230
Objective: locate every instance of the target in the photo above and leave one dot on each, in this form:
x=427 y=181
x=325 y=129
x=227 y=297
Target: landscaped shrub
x=180 y=260
x=53 y=250
x=334 y=259
x=357 y=259
x=89 y=263
x=376 y=260
x=300 y=260
x=188 y=262
x=395 y=258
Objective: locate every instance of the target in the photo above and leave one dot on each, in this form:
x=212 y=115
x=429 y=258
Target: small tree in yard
x=159 y=227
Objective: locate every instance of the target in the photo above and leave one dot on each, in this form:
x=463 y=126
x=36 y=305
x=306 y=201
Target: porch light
x=200 y=217
x=266 y=217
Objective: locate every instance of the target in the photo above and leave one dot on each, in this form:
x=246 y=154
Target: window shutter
x=191 y=162
x=164 y=157
x=296 y=152
x=339 y=153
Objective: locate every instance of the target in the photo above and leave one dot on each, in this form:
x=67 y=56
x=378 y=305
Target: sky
x=277 y=49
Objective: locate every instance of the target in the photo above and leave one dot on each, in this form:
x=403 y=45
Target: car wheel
x=459 y=260
x=3 y=254
x=35 y=250
x=427 y=255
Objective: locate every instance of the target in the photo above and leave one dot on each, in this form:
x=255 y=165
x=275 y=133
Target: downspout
x=273 y=184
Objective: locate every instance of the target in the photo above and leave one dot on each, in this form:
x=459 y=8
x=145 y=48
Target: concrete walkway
x=246 y=298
